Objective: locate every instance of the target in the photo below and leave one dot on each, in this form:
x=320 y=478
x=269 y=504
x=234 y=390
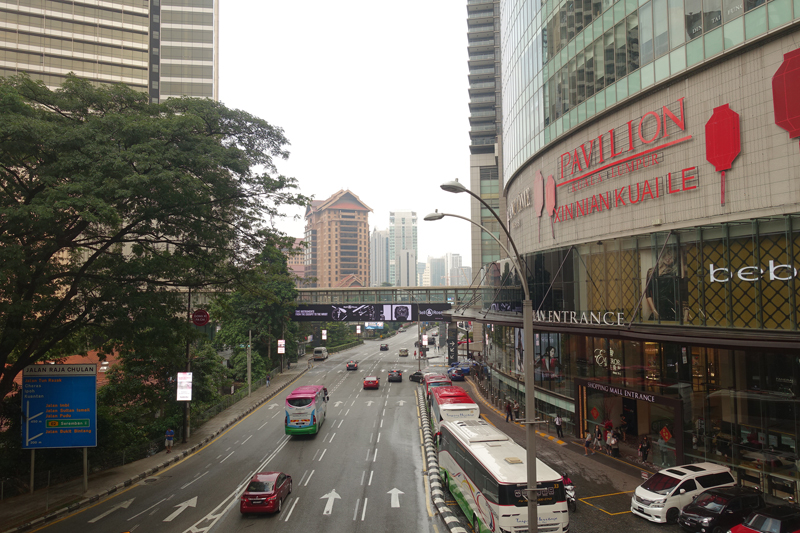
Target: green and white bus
x=486 y=472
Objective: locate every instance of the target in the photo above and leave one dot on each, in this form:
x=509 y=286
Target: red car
x=371 y=382
x=265 y=493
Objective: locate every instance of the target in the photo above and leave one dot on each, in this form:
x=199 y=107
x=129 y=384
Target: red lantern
x=785 y=98
x=723 y=142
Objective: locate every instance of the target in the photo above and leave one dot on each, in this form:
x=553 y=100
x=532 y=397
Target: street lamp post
x=527 y=329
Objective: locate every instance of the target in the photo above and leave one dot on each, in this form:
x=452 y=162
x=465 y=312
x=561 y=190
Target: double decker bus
x=305 y=410
x=486 y=472
x=452 y=404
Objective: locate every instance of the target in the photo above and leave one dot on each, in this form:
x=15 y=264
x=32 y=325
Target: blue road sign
x=59 y=406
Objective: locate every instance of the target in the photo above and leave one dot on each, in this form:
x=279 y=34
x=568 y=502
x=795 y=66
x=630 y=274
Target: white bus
x=486 y=472
x=452 y=404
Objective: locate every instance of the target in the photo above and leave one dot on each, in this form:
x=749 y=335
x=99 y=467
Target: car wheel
x=718 y=530
x=280 y=501
x=290 y=487
x=672 y=515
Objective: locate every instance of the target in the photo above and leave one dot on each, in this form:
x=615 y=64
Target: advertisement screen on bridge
x=369 y=312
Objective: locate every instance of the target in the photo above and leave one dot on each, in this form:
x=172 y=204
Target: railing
x=480 y=14
x=484 y=42
x=490 y=127
x=491 y=113
x=488 y=70
x=481 y=57
x=481 y=85
x=480 y=141
x=481 y=99
x=481 y=28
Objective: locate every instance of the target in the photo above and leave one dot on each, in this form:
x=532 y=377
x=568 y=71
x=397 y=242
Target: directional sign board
x=59 y=406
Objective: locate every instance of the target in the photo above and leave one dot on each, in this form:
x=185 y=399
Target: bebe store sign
x=773 y=272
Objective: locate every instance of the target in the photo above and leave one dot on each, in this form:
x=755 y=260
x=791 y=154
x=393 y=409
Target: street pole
x=249 y=376
x=530 y=412
x=185 y=435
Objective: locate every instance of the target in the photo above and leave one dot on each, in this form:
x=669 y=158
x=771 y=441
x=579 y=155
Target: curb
x=150 y=471
x=434 y=476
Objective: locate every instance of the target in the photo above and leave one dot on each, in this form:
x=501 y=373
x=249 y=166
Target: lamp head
x=434 y=216
x=453 y=186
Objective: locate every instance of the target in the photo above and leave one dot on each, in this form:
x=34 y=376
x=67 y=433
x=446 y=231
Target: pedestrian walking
x=267 y=380
x=598 y=438
x=516 y=410
x=609 y=440
x=169 y=437
x=587 y=443
x=614 y=441
x=559 y=430
x=509 y=413
x=644 y=448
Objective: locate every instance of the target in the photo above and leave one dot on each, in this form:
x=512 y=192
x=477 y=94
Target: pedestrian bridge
x=455 y=296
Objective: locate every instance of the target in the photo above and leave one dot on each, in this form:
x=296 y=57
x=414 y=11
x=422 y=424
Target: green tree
x=109 y=203
x=339 y=333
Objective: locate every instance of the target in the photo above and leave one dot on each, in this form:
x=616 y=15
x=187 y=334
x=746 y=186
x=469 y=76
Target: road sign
x=184 y=386
x=59 y=406
x=324 y=334
x=281 y=346
x=200 y=317
x=424 y=340
x=358 y=330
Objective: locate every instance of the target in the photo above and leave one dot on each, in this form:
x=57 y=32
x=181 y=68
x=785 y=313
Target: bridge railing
x=456 y=296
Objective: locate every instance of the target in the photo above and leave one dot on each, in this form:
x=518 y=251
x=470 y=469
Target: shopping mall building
x=651 y=167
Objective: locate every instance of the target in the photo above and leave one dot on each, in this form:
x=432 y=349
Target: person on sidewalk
x=598 y=438
x=516 y=410
x=644 y=448
x=509 y=413
x=168 y=439
x=267 y=380
x=559 y=430
x=587 y=443
x=614 y=441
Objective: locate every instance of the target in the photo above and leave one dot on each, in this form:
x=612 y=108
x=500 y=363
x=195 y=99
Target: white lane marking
x=364 y=473
x=123 y=505
x=276 y=414
x=292 y=509
x=134 y=516
x=309 y=478
x=384 y=413
x=323 y=454
x=228 y=448
x=347 y=412
x=227 y=457
x=364 y=510
x=381 y=422
x=379 y=439
x=195 y=479
x=247 y=439
x=374 y=457
x=355 y=511
x=331 y=438
x=367 y=455
x=302 y=478
x=315 y=456
x=262 y=425
x=340 y=424
x=181 y=508
x=370 y=478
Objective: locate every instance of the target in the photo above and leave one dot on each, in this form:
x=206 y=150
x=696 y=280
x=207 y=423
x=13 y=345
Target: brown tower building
x=337 y=233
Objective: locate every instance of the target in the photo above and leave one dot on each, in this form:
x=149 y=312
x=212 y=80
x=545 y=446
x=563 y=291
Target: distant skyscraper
x=162 y=47
x=461 y=276
x=451 y=261
x=437 y=271
x=337 y=233
x=421 y=273
x=378 y=258
x=402 y=239
x=296 y=262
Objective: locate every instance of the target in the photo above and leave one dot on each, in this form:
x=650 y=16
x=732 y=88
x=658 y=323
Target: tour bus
x=452 y=404
x=435 y=380
x=486 y=472
x=305 y=410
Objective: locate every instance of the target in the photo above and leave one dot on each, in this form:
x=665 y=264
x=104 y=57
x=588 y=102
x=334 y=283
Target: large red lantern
x=723 y=142
x=786 y=94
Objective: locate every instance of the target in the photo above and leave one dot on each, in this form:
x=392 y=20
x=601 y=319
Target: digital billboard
x=370 y=312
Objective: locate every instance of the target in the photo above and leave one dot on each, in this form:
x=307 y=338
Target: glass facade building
x=652 y=190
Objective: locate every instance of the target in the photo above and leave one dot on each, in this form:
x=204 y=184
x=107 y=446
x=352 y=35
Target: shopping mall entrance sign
x=579 y=317
x=59 y=406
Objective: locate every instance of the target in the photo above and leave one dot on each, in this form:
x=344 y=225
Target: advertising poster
x=519 y=350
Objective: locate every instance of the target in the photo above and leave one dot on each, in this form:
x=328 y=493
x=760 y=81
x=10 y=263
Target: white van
x=664 y=494
x=320 y=354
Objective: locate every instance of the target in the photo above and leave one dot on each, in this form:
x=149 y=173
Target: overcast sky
x=372 y=96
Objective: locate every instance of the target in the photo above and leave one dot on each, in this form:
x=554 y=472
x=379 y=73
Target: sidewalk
x=628 y=452
x=24 y=512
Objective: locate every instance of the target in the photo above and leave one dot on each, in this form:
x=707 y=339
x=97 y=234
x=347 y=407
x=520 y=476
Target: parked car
x=771 y=519
x=720 y=509
x=664 y=494
x=352 y=365
x=403 y=352
x=396 y=375
x=455 y=374
x=463 y=366
x=265 y=493
x=401 y=330
x=372 y=382
x=416 y=376
x=384 y=347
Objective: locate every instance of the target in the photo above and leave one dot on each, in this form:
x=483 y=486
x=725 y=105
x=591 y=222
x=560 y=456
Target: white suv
x=663 y=495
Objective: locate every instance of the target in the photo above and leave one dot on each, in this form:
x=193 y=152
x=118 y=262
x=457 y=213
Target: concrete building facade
x=403 y=248
x=378 y=257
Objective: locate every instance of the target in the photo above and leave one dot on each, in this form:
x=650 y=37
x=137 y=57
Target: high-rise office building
x=378 y=258
x=437 y=271
x=295 y=260
x=162 y=47
x=460 y=276
x=337 y=233
x=451 y=261
x=403 y=248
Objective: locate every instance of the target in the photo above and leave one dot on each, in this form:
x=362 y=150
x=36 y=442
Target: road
x=362 y=472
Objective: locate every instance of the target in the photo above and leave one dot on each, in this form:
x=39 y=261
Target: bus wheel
x=475 y=523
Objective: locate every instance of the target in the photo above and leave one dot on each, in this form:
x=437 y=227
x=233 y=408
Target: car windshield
x=714 y=503
x=660 y=484
x=763 y=523
x=300 y=402
x=260 y=486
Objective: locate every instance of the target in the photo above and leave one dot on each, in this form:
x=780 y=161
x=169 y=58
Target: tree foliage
x=109 y=203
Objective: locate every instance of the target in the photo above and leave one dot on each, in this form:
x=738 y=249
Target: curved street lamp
x=530 y=376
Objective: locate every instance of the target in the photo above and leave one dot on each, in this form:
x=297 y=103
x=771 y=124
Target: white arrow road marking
x=395 y=496
x=273 y=406
x=369 y=403
x=123 y=505
x=331 y=497
x=337 y=404
x=181 y=508
x=401 y=402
